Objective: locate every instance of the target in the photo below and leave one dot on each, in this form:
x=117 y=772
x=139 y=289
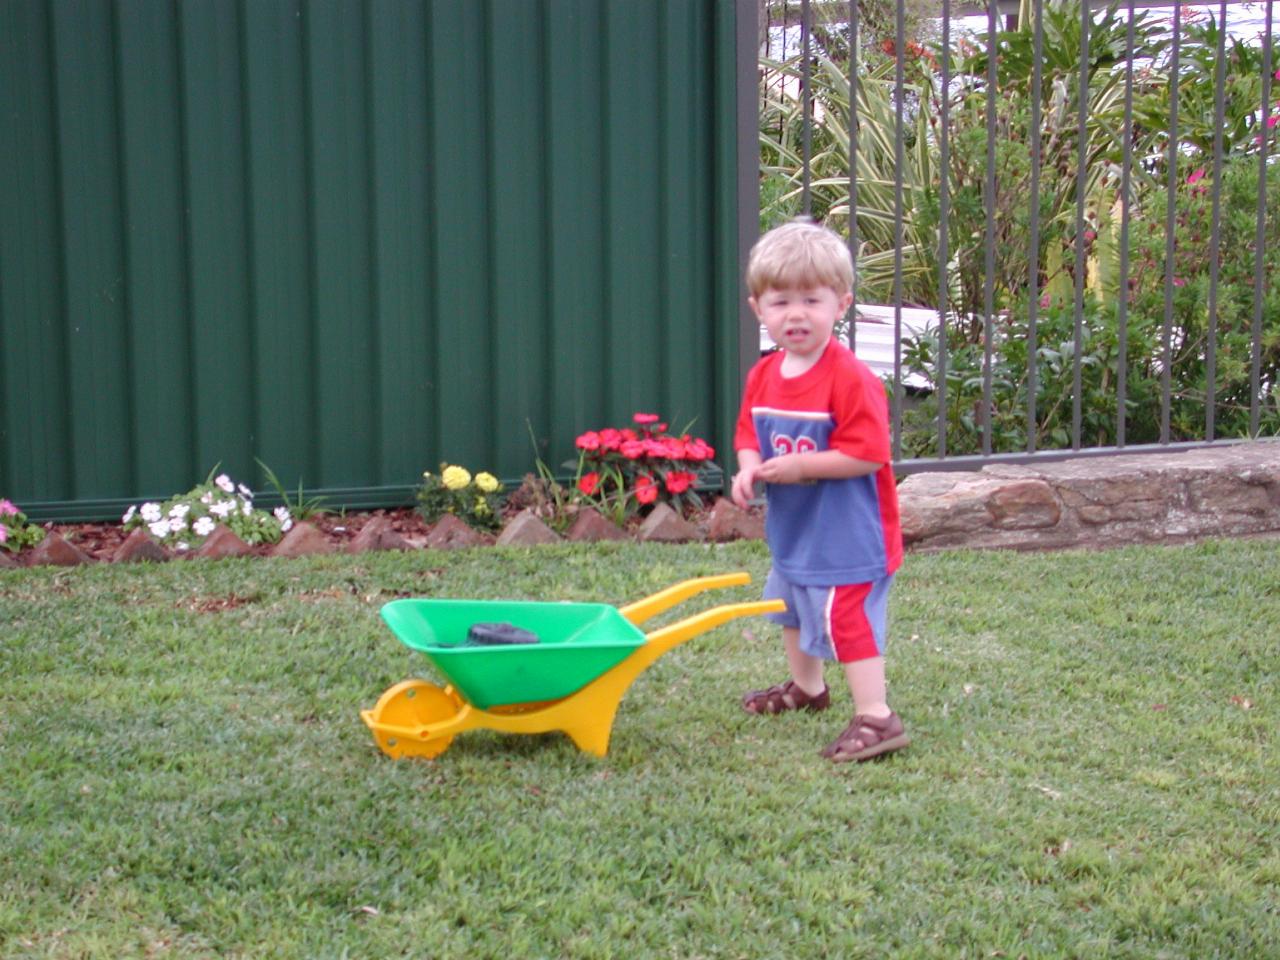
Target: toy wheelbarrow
x=571 y=677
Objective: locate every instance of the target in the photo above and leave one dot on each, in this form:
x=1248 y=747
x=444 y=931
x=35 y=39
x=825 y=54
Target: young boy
x=814 y=426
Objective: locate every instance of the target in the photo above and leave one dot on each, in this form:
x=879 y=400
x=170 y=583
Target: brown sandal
x=783 y=697
x=866 y=737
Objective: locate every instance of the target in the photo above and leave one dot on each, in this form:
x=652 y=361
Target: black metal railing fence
x=1086 y=194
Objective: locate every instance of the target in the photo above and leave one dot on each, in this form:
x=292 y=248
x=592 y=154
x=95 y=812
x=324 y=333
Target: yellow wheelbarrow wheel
x=409 y=704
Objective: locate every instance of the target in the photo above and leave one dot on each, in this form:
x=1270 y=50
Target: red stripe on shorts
x=851 y=633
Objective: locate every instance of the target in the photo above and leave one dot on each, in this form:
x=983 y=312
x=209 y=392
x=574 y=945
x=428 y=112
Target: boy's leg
x=806 y=671
x=858 y=618
x=867 y=685
x=806 y=690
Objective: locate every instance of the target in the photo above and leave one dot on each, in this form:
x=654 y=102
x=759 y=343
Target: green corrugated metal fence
x=354 y=239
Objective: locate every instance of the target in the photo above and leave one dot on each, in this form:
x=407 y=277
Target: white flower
x=207 y=498
x=129 y=514
x=222 y=507
x=281 y=513
x=224 y=483
x=182 y=545
x=286 y=525
x=203 y=527
x=245 y=491
x=150 y=512
x=246 y=508
x=180 y=510
x=177 y=524
x=159 y=528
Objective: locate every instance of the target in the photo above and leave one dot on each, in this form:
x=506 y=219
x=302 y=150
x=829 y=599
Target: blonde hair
x=799 y=254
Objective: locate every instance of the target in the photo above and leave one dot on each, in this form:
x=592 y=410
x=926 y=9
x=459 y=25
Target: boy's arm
x=744 y=481
x=801 y=467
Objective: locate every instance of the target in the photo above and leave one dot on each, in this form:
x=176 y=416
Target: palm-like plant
x=782 y=163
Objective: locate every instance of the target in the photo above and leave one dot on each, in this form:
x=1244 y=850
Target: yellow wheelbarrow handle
x=641 y=610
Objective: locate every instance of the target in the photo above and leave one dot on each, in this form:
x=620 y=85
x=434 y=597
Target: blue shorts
x=844 y=623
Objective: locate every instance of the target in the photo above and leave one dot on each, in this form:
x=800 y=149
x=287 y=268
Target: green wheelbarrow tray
x=576 y=643
x=572 y=679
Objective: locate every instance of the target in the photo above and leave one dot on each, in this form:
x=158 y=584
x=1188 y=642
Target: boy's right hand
x=744 y=486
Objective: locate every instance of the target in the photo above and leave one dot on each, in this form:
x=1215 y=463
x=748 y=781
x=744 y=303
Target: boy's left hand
x=785 y=468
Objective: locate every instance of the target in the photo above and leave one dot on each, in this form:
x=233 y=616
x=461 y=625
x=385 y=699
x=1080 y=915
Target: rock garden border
x=1085 y=502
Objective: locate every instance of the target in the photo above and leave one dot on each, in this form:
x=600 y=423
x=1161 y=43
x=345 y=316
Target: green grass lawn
x=183 y=770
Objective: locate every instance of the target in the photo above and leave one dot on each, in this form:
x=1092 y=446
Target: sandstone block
x=451 y=533
x=303 y=540
x=140 y=546
x=1220 y=494
x=1023 y=505
x=664 y=525
x=589 y=526
x=526 y=530
x=377 y=534
x=728 y=521
x=55 y=550
x=223 y=542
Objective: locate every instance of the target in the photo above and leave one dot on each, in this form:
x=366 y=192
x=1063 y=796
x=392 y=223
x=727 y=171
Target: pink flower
x=7 y=509
x=633 y=449
x=610 y=439
x=588 y=483
x=1044 y=300
x=1196 y=175
x=1273 y=120
x=645 y=418
x=1179 y=282
x=4 y=533
x=1278 y=74
x=588 y=441
x=646 y=490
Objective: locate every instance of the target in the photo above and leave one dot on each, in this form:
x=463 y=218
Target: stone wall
x=1097 y=501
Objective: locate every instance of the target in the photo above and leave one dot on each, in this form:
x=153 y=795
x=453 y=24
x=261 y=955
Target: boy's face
x=801 y=320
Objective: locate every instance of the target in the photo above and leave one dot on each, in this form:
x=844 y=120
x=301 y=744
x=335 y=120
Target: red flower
x=646 y=490
x=633 y=449
x=678 y=481
x=645 y=418
x=698 y=449
x=588 y=441
x=588 y=483
x=610 y=439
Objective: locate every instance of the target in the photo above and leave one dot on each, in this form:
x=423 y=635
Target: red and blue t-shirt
x=827 y=532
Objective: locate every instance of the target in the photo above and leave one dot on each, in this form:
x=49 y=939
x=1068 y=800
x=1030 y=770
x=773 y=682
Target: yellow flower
x=481 y=508
x=455 y=478
x=487 y=482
